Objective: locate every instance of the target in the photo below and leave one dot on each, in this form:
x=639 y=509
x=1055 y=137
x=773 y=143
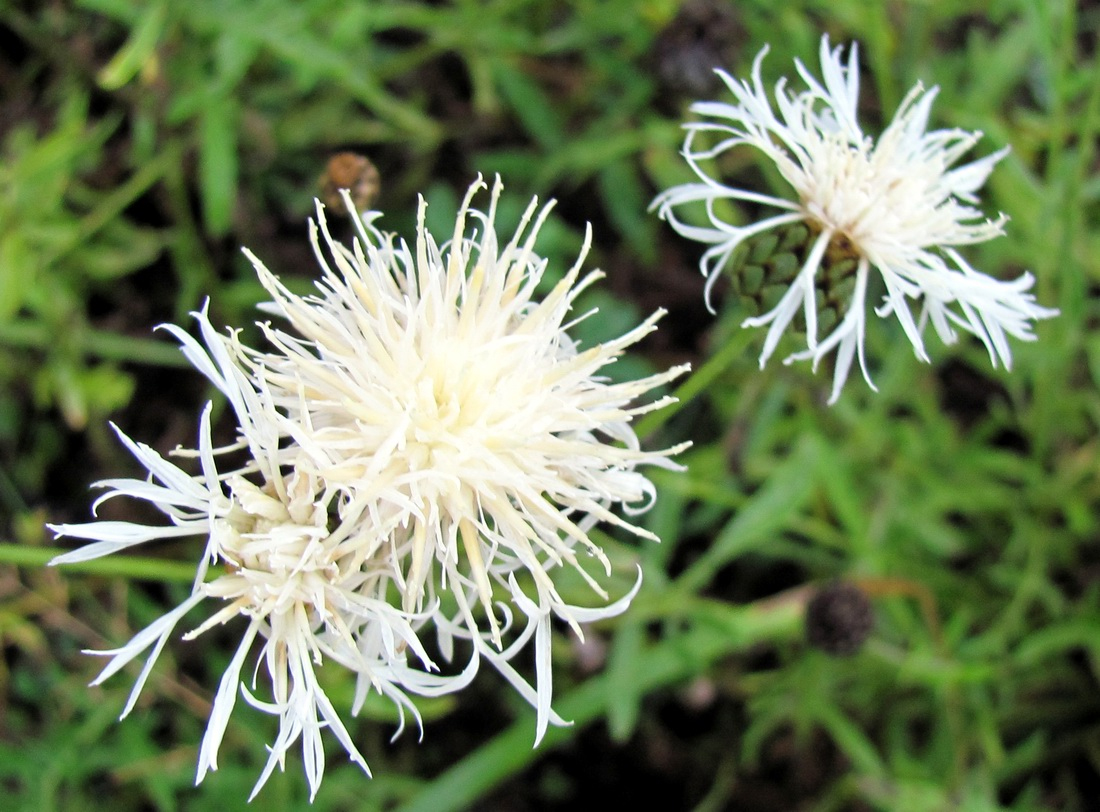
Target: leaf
x=218 y=164
x=771 y=508
x=626 y=205
x=851 y=740
x=138 y=51
x=1057 y=639
x=624 y=694
x=530 y=105
x=17 y=274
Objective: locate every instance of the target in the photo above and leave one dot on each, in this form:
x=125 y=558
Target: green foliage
x=964 y=501
x=62 y=239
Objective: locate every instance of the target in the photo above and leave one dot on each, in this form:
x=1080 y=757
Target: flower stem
x=121 y=566
x=697 y=382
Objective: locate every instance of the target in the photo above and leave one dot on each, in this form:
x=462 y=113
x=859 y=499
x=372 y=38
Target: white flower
x=306 y=585
x=459 y=419
x=898 y=205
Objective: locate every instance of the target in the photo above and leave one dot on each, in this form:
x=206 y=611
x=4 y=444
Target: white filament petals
x=900 y=202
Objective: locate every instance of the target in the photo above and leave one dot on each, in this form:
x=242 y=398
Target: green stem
x=664 y=663
x=119 y=566
x=26 y=334
x=699 y=380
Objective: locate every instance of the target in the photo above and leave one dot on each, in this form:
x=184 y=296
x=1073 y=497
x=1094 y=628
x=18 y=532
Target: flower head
x=304 y=583
x=898 y=205
x=453 y=412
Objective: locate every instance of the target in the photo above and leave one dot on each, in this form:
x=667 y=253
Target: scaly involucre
x=457 y=419
x=307 y=586
x=898 y=205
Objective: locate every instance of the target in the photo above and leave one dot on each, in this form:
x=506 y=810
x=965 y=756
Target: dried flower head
x=460 y=422
x=839 y=618
x=898 y=205
x=304 y=582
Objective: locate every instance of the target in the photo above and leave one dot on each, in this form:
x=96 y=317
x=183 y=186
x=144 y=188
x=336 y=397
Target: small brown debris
x=354 y=172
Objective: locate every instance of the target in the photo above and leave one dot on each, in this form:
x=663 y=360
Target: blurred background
x=888 y=604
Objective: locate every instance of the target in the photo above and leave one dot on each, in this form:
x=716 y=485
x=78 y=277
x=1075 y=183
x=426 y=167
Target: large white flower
x=452 y=410
x=898 y=205
x=306 y=584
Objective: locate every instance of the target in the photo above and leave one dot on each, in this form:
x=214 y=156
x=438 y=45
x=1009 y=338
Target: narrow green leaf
x=771 y=508
x=115 y=566
x=626 y=202
x=623 y=661
x=530 y=105
x=138 y=49
x=218 y=164
x=851 y=740
x=1055 y=640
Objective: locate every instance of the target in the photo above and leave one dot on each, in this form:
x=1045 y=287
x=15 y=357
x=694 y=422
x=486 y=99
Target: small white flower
x=307 y=589
x=459 y=419
x=898 y=205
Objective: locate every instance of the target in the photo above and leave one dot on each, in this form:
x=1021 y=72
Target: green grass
x=142 y=144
